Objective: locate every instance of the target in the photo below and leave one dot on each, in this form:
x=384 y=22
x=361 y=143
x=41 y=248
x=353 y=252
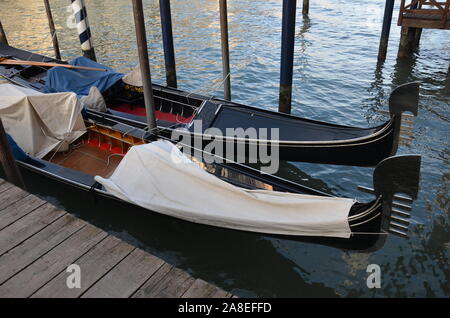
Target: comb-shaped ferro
x=397 y=197
x=404 y=98
x=401 y=213
x=394 y=175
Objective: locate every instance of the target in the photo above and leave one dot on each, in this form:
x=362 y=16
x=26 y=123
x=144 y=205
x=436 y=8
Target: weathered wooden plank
x=202 y=289
x=173 y=284
x=38 y=242
x=5 y=185
x=19 y=209
x=10 y=195
x=30 y=250
x=93 y=265
x=25 y=283
x=25 y=227
x=124 y=279
x=1 y=180
x=424 y=23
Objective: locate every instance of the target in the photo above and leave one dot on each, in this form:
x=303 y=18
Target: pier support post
x=409 y=40
x=384 y=39
x=305 y=9
x=51 y=25
x=8 y=161
x=84 y=31
x=139 y=23
x=417 y=36
x=225 y=49
x=3 y=38
x=287 y=55
x=167 y=36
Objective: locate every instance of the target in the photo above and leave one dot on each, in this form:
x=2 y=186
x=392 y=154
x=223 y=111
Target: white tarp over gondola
x=157 y=176
x=134 y=77
x=40 y=123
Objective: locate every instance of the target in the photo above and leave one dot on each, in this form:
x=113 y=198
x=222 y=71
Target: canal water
x=336 y=79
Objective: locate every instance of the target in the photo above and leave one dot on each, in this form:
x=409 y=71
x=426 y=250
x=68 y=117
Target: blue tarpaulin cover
x=60 y=79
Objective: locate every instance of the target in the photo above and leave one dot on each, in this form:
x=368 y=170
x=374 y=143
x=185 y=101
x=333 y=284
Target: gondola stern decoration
x=394 y=178
x=404 y=98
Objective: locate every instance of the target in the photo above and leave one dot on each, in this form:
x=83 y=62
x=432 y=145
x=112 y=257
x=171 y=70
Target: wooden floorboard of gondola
x=39 y=241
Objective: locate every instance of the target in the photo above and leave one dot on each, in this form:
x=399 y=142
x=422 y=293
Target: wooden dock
x=430 y=14
x=39 y=241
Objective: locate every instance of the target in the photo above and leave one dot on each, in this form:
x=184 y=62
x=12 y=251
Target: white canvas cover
x=134 y=77
x=40 y=123
x=157 y=176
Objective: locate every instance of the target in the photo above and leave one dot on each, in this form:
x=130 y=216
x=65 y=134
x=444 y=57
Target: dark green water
x=336 y=78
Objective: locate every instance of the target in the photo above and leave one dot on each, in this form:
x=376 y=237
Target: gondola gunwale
x=375 y=138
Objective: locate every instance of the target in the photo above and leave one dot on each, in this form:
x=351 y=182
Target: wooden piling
x=139 y=23
x=84 y=31
x=305 y=9
x=225 y=49
x=8 y=161
x=51 y=25
x=287 y=55
x=410 y=34
x=167 y=36
x=3 y=38
x=417 y=36
x=409 y=41
x=384 y=39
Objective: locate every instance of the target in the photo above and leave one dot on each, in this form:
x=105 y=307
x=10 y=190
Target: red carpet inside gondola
x=140 y=111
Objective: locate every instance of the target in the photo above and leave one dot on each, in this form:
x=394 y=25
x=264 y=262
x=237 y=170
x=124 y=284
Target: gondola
x=92 y=157
x=177 y=111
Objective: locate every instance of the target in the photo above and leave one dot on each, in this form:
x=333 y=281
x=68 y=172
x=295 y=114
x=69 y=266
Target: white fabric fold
x=158 y=177
x=134 y=77
x=40 y=123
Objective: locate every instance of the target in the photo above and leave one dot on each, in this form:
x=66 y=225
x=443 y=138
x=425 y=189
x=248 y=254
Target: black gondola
x=369 y=223
x=299 y=139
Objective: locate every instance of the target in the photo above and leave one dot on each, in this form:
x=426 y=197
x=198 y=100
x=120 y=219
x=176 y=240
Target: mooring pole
x=384 y=39
x=139 y=23
x=8 y=161
x=287 y=55
x=225 y=49
x=3 y=38
x=305 y=9
x=84 y=31
x=51 y=25
x=167 y=36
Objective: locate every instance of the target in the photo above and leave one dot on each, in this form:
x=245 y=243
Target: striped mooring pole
x=287 y=55
x=84 y=32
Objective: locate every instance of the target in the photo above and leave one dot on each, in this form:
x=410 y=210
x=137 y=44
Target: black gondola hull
x=74 y=190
